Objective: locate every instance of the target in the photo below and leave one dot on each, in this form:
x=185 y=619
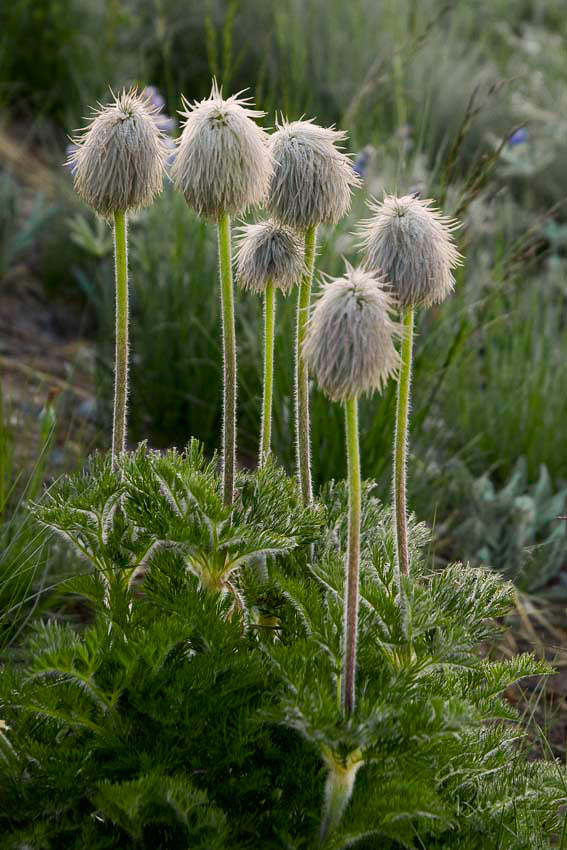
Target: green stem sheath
x=229 y=360
x=353 y=558
x=121 y=353
x=338 y=791
x=302 y=426
x=269 y=331
x=401 y=446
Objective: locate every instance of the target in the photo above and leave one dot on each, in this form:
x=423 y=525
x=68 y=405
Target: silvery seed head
x=350 y=336
x=118 y=159
x=223 y=164
x=410 y=242
x=269 y=252
x=313 y=179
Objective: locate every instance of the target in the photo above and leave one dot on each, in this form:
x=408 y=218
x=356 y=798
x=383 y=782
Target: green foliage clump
x=206 y=714
x=517 y=529
x=18 y=233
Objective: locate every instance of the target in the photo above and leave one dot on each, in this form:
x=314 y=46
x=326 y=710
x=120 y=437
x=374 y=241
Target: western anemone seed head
x=313 y=179
x=223 y=164
x=410 y=242
x=349 y=345
x=269 y=252
x=118 y=159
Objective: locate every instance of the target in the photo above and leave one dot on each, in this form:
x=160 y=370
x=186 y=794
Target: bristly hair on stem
x=352 y=577
x=223 y=166
x=269 y=257
x=311 y=184
x=229 y=360
x=411 y=242
x=350 y=349
x=268 y=389
x=401 y=440
x=119 y=430
x=301 y=398
x=118 y=165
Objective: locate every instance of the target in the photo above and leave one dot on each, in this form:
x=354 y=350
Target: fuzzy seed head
x=269 y=252
x=350 y=336
x=118 y=159
x=411 y=243
x=223 y=164
x=313 y=179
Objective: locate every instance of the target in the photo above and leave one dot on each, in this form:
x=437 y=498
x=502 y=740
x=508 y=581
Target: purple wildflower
x=363 y=160
x=171 y=147
x=155 y=97
x=520 y=137
x=164 y=122
x=70 y=162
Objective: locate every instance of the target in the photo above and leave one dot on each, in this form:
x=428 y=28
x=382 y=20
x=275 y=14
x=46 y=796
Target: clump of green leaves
x=157 y=506
x=516 y=529
x=178 y=719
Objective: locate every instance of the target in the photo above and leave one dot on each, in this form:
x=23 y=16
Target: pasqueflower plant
x=311 y=185
x=270 y=257
x=118 y=162
x=223 y=167
x=183 y=702
x=411 y=243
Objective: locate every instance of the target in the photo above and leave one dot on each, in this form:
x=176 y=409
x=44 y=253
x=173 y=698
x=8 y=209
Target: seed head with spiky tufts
x=410 y=242
x=350 y=336
x=313 y=179
x=223 y=164
x=269 y=252
x=118 y=159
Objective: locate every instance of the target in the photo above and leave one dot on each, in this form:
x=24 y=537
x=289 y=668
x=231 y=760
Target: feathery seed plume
x=269 y=252
x=349 y=345
x=223 y=165
x=410 y=241
x=118 y=159
x=313 y=179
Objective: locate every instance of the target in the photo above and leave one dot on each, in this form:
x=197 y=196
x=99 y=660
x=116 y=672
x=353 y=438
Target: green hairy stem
x=229 y=361
x=269 y=330
x=121 y=353
x=401 y=446
x=302 y=427
x=348 y=683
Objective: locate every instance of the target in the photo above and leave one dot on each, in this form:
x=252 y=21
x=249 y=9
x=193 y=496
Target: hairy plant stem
x=229 y=361
x=302 y=427
x=348 y=697
x=121 y=331
x=401 y=447
x=259 y=564
x=269 y=330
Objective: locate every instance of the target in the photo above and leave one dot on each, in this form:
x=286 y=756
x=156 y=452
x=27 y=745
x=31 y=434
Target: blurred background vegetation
x=464 y=101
